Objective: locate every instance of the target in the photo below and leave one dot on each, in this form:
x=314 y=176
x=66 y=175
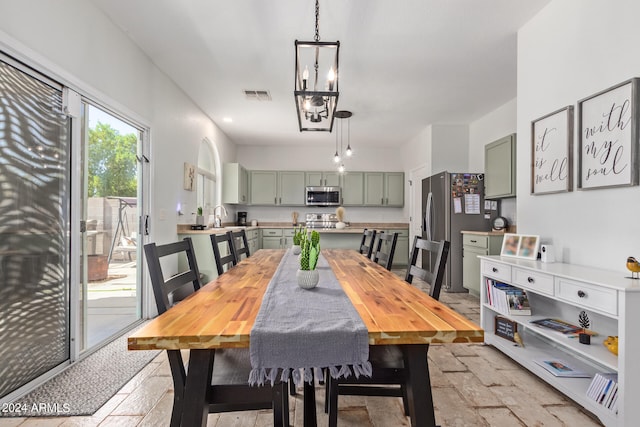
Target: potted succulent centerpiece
x=298 y=234
x=307 y=275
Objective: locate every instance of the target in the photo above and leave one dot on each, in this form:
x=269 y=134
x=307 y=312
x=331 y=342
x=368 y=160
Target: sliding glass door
x=34 y=226
x=111 y=234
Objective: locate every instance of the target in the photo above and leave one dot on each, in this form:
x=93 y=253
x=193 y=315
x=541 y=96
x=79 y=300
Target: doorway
x=110 y=297
x=415 y=203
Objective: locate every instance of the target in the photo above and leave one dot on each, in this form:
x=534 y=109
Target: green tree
x=112 y=162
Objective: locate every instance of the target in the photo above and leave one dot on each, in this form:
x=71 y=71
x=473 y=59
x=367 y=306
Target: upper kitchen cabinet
x=353 y=189
x=384 y=189
x=235 y=184
x=331 y=179
x=500 y=168
x=277 y=188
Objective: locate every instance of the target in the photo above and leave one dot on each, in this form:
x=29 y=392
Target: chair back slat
x=435 y=275
x=366 y=244
x=223 y=261
x=239 y=244
x=184 y=283
x=385 y=249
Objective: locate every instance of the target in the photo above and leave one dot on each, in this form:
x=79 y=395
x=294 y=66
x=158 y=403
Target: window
x=206 y=180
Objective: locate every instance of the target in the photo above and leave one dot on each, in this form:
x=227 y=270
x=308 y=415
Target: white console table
x=557 y=290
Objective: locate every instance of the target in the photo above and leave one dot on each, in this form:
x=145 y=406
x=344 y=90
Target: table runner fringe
x=260 y=376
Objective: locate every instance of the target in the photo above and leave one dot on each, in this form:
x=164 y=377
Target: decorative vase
x=295 y=249
x=199 y=220
x=340 y=225
x=307 y=279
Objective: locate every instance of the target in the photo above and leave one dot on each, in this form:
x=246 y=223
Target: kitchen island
x=278 y=235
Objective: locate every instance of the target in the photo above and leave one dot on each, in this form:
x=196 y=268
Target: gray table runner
x=298 y=330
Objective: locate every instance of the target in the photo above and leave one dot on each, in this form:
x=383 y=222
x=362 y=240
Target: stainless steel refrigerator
x=452 y=202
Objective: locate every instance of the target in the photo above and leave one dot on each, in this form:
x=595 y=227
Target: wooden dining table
x=222 y=313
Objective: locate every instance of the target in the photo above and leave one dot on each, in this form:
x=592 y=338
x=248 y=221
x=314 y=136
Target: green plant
x=583 y=320
x=298 y=235
x=200 y=211
x=310 y=251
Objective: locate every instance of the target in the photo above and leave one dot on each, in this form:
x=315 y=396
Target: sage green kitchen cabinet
x=500 y=168
x=253 y=241
x=277 y=238
x=264 y=188
x=322 y=179
x=291 y=188
x=474 y=244
x=277 y=188
x=401 y=254
x=384 y=189
x=353 y=189
x=235 y=184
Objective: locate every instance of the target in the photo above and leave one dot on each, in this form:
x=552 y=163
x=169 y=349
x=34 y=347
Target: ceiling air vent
x=257 y=95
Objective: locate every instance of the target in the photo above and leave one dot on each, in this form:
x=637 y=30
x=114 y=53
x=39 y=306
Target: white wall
x=76 y=43
x=495 y=125
x=570 y=50
x=449 y=148
x=304 y=158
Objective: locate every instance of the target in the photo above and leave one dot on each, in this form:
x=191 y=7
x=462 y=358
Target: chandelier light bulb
x=341 y=168
x=349 y=152
x=307 y=105
x=336 y=157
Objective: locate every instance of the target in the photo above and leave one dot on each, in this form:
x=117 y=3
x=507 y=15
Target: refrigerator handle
x=429 y=217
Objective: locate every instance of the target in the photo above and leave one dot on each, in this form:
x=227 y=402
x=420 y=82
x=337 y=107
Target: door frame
x=416 y=175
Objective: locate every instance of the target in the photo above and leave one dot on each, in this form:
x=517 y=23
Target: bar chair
x=385 y=249
x=239 y=244
x=229 y=389
x=223 y=242
x=389 y=377
x=366 y=244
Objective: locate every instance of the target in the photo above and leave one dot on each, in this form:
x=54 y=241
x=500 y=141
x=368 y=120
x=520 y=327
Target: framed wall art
x=520 y=246
x=189 y=176
x=608 y=137
x=552 y=152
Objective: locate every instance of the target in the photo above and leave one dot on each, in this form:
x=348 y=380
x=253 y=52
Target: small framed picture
x=528 y=247
x=189 y=176
x=510 y=245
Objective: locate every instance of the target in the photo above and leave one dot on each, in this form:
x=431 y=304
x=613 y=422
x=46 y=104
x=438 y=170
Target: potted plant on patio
x=307 y=275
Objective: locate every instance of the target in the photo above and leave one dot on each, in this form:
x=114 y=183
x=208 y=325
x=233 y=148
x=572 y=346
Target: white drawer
x=496 y=270
x=475 y=240
x=587 y=295
x=536 y=282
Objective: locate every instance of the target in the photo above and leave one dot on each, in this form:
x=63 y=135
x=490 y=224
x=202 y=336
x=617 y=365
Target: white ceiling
x=404 y=64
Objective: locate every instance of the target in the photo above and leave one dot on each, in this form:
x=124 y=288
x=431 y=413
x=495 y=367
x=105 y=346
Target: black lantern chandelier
x=316 y=98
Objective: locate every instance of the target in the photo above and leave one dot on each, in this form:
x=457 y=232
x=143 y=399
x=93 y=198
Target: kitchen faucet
x=218 y=221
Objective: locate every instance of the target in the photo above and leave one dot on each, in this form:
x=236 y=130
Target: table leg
x=419 y=385
x=309 y=406
x=195 y=406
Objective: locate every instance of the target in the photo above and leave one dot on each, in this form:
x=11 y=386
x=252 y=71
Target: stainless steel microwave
x=323 y=196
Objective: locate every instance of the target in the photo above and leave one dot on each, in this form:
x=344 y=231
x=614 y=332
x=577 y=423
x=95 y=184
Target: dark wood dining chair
x=389 y=376
x=366 y=244
x=239 y=244
x=385 y=249
x=223 y=243
x=229 y=389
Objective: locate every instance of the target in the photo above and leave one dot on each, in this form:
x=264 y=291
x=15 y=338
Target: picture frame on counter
x=552 y=152
x=520 y=246
x=607 y=137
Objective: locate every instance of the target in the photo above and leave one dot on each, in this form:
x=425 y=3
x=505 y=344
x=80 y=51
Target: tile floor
x=473 y=385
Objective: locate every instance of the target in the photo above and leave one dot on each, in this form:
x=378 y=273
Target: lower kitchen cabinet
x=277 y=238
x=401 y=254
x=474 y=244
x=253 y=240
x=204 y=256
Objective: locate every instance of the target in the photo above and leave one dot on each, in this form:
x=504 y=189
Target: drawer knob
x=495 y=270
x=530 y=279
x=582 y=294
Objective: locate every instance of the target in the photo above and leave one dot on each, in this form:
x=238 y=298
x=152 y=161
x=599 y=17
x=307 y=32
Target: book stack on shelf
x=604 y=390
x=507 y=298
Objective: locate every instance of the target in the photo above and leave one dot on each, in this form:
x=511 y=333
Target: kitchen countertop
x=354 y=228
x=484 y=233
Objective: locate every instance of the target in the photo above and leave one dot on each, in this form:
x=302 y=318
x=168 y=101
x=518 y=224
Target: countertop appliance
x=321 y=220
x=323 y=196
x=452 y=202
x=242 y=218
